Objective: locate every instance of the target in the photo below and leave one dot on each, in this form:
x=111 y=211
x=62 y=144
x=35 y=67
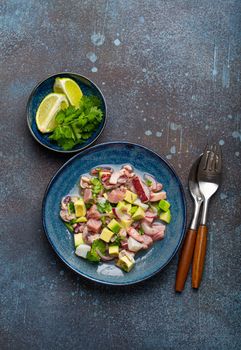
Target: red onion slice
x=152 y=230
x=152 y=180
x=120 y=214
x=104 y=257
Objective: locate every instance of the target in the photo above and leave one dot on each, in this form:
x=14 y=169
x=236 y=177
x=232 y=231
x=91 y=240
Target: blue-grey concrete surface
x=170 y=72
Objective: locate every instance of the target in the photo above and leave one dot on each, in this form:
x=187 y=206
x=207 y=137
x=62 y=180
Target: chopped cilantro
x=148 y=182
x=75 y=125
x=71 y=208
x=117 y=240
x=97 y=185
x=95 y=181
x=88 y=205
x=104 y=207
x=92 y=255
x=103 y=220
x=141 y=231
x=69 y=227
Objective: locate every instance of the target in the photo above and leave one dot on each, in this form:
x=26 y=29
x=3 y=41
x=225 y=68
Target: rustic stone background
x=170 y=72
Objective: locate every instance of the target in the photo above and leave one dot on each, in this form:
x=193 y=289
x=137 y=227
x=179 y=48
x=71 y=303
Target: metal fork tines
x=210 y=164
x=209 y=175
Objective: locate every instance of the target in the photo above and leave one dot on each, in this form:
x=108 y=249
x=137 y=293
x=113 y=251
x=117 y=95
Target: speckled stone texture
x=170 y=72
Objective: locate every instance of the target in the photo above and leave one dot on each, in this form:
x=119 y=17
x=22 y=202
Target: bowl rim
x=28 y=113
x=138 y=280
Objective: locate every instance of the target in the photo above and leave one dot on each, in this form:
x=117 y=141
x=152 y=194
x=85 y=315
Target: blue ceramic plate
x=46 y=87
x=149 y=262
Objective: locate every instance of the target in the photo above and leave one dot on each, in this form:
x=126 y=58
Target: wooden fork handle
x=185 y=259
x=199 y=256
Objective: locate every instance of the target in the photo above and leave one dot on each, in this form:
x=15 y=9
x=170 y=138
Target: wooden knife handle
x=185 y=259
x=199 y=256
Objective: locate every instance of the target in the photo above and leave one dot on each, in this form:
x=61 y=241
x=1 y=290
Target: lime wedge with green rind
x=48 y=109
x=70 y=88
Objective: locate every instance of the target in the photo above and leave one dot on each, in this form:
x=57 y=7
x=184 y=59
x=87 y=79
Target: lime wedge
x=70 y=88
x=47 y=110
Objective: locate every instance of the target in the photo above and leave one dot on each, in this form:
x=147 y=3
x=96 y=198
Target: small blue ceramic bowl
x=149 y=262
x=44 y=88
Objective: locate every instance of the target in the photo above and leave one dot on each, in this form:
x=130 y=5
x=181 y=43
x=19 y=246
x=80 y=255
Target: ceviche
x=116 y=214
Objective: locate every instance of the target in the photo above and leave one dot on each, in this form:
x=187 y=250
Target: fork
x=209 y=179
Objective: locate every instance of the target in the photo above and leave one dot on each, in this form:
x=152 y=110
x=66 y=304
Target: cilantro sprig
x=141 y=231
x=104 y=207
x=92 y=255
x=148 y=182
x=71 y=208
x=76 y=125
x=69 y=227
x=97 y=186
x=117 y=240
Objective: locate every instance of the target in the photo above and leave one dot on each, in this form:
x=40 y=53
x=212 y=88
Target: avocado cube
x=139 y=214
x=130 y=197
x=81 y=219
x=125 y=223
x=166 y=216
x=80 y=209
x=128 y=208
x=125 y=207
x=164 y=205
x=121 y=204
x=133 y=209
x=113 y=250
x=125 y=263
x=114 y=226
x=106 y=235
x=78 y=239
x=128 y=254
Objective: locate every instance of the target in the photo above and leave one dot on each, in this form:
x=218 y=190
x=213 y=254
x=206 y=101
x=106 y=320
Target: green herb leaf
x=95 y=181
x=60 y=117
x=69 y=227
x=76 y=125
x=103 y=220
x=148 y=182
x=71 y=208
x=97 y=185
x=92 y=255
x=88 y=205
x=104 y=207
x=117 y=240
x=141 y=231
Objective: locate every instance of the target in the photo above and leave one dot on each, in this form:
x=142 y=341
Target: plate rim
x=28 y=113
x=84 y=274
